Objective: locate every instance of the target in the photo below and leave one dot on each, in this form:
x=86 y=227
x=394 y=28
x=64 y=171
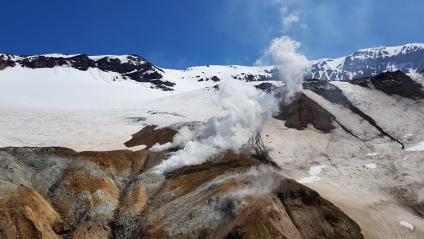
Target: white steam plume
x=183 y=136
x=246 y=108
x=290 y=20
x=258 y=181
x=283 y=52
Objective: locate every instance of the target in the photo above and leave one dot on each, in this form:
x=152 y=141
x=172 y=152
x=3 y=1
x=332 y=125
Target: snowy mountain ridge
x=369 y=62
x=362 y=63
x=136 y=68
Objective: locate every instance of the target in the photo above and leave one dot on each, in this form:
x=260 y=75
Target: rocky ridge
x=133 y=67
x=60 y=193
x=369 y=62
x=362 y=63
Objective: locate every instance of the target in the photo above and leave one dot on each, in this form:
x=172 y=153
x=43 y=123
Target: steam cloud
x=246 y=109
x=291 y=65
x=259 y=181
x=183 y=136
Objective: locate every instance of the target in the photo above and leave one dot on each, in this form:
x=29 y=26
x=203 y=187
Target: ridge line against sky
x=179 y=34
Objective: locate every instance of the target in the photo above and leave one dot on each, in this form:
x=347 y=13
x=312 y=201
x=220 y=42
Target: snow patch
x=372 y=154
x=407 y=225
x=418 y=147
x=313 y=172
x=371 y=166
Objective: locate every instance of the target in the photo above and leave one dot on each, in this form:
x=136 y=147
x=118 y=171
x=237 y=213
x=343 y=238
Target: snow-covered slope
x=136 y=68
x=111 y=81
x=97 y=82
x=358 y=143
x=201 y=76
x=69 y=88
x=369 y=62
x=362 y=63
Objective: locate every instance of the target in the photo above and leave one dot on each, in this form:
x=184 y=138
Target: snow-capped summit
x=138 y=69
x=125 y=80
x=133 y=67
x=369 y=62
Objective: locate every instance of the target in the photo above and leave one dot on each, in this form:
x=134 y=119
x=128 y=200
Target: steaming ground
x=375 y=182
x=244 y=110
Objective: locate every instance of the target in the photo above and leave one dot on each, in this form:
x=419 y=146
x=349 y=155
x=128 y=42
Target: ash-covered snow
x=417 y=147
x=407 y=225
x=372 y=154
x=371 y=165
x=377 y=199
x=313 y=172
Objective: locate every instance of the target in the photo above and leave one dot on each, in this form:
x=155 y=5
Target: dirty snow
x=366 y=195
x=371 y=165
x=407 y=225
x=313 y=172
x=372 y=154
x=418 y=147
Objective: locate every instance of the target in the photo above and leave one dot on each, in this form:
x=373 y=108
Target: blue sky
x=181 y=33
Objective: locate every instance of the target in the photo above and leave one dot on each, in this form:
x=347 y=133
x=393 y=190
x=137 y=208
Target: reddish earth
x=149 y=136
x=60 y=193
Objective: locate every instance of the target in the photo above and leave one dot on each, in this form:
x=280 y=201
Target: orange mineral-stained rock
x=26 y=214
x=118 y=162
x=80 y=196
x=117 y=194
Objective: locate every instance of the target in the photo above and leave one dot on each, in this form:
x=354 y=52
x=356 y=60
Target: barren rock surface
x=116 y=195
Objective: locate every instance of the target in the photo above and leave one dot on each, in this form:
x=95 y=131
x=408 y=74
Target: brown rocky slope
x=60 y=193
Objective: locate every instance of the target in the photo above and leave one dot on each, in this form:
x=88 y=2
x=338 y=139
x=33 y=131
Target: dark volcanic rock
x=335 y=95
x=132 y=67
x=250 y=77
x=149 y=136
x=267 y=87
x=80 y=62
x=303 y=204
x=136 y=68
x=393 y=83
x=6 y=61
x=215 y=79
x=304 y=111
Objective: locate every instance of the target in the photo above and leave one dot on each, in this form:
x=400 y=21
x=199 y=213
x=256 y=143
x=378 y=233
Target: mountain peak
x=369 y=62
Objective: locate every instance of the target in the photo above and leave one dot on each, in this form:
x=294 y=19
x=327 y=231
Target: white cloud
x=283 y=52
x=290 y=20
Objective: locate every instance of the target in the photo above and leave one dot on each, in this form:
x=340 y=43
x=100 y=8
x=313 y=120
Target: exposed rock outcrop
x=333 y=94
x=150 y=135
x=393 y=83
x=304 y=111
x=116 y=194
x=133 y=67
